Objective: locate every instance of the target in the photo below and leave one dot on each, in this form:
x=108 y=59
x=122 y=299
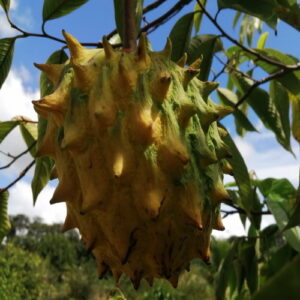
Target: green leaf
x=262 y=9
x=119 y=15
x=6 y=128
x=280 y=97
x=42 y=173
x=241 y=175
x=4 y=220
x=264 y=107
x=281 y=198
x=295 y=216
x=289 y=12
x=6 y=55
x=251 y=265
x=229 y=98
x=283 y=285
x=29 y=132
x=262 y=40
x=180 y=35
x=290 y=80
x=277 y=258
x=5 y=4
x=44 y=165
x=224 y=272
x=54 y=9
x=236 y=18
x=205 y=45
x=198 y=16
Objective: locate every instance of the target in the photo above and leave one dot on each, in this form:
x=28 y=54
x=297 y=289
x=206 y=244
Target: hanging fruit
x=138 y=155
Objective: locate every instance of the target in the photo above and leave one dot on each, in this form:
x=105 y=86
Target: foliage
x=242 y=268
x=22 y=274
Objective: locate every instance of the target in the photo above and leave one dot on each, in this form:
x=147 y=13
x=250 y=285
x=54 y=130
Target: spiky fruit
x=138 y=156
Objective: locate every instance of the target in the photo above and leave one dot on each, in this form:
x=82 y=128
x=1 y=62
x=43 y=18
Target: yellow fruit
x=138 y=156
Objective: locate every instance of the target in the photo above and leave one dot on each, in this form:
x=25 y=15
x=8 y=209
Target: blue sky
x=89 y=24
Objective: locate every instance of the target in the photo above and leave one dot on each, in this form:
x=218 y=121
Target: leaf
x=4 y=220
x=290 y=80
x=180 y=35
x=264 y=107
x=198 y=16
x=119 y=15
x=223 y=272
x=283 y=285
x=42 y=173
x=280 y=195
x=54 y=9
x=236 y=18
x=205 y=45
x=5 y=4
x=251 y=265
x=289 y=12
x=280 y=97
x=29 y=133
x=6 y=55
x=241 y=175
x=262 y=40
x=6 y=128
x=295 y=217
x=44 y=165
x=262 y=9
x=229 y=98
x=278 y=257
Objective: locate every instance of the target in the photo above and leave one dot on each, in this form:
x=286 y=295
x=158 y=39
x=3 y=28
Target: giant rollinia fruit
x=138 y=155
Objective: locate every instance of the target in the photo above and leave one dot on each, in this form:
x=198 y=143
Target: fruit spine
x=138 y=155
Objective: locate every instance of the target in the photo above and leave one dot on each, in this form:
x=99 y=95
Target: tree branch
x=226 y=65
x=258 y=83
x=165 y=17
x=14 y=158
x=22 y=174
x=238 y=210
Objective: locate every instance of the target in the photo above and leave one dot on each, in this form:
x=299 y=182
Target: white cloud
x=267 y=158
x=20 y=202
x=15 y=98
x=5 y=28
x=14 y=4
x=233 y=226
x=22 y=18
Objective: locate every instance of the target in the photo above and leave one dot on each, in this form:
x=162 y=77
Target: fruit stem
x=129 y=43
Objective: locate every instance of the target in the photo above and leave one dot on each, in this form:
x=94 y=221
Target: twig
x=153 y=5
x=14 y=158
x=165 y=17
x=258 y=83
x=22 y=174
x=226 y=65
x=217 y=75
x=251 y=51
x=238 y=210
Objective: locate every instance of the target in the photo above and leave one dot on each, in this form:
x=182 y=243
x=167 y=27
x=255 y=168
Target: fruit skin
x=138 y=156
